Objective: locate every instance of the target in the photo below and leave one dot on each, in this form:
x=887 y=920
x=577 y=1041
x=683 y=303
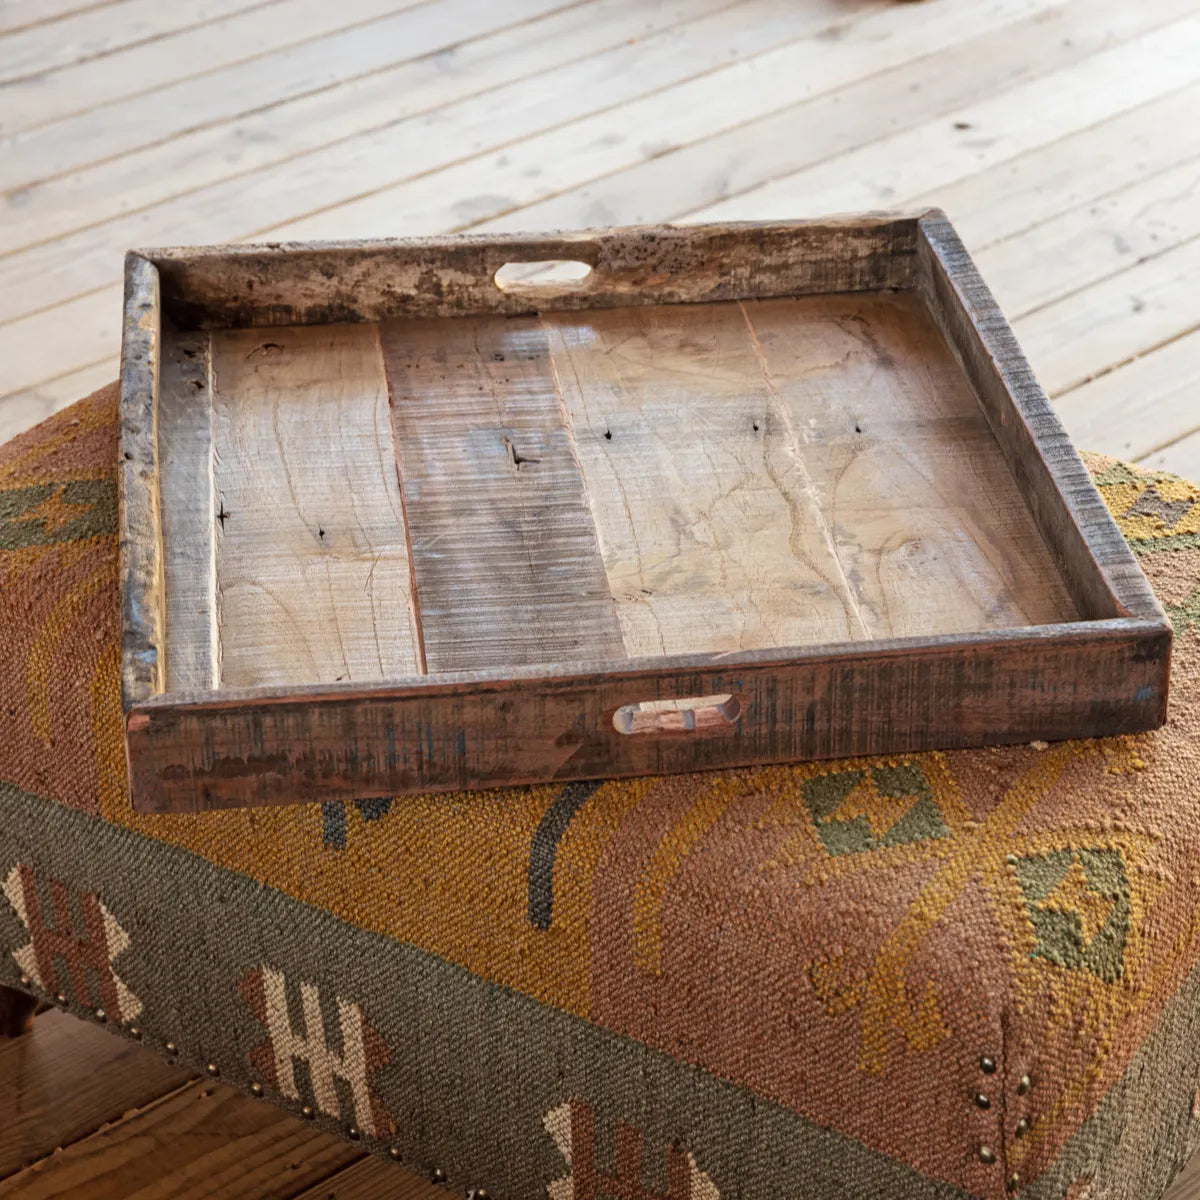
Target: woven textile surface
x=826 y=980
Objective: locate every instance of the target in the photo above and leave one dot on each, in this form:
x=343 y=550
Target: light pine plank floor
x=1062 y=137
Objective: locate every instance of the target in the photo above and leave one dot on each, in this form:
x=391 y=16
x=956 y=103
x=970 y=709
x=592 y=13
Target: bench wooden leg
x=16 y=1012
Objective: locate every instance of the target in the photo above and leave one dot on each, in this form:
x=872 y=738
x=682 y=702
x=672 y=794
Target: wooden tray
x=740 y=494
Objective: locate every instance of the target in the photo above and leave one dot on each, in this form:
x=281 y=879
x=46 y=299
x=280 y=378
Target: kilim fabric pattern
x=941 y=975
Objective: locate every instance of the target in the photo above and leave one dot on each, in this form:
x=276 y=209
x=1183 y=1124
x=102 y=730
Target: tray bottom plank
x=430 y=496
x=312 y=571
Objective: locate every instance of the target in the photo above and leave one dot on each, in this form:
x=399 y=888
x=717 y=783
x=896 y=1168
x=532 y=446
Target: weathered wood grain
x=924 y=514
x=505 y=559
x=712 y=536
x=1097 y=564
x=1141 y=407
x=487 y=729
x=287 y=284
x=140 y=525
x=65 y=1079
x=205 y=1140
x=311 y=562
x=186 y=493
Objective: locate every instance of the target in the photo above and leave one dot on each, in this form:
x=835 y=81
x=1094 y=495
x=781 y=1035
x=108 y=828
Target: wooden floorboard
x=1059 y=134
x=240 y=39
x=66 y=1079
x=204 y=1140
x=56 y=315
x=85 y=1112
x=373 y=1179
x=90 y=34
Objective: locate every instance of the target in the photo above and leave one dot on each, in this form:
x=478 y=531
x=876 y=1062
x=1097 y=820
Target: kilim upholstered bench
x=948 y=975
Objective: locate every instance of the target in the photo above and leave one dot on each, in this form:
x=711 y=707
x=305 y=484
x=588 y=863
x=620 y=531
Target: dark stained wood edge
x=317 y=283
x=17 y=1010
x=516 y=678
x=1104 y=678
x=139 y=525
x=1097 y=564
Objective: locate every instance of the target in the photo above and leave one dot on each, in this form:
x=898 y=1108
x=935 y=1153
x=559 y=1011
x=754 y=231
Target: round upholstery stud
x=353 y=1133
x=171 y=1048
x=61 y=999
x=987 y=1155
x=1014 y=1182
x=1022 y=1127
x=135 y=1032
x=24 y=980
x=256 y=1089
x=1023 y=1085
x=394 y=1153
x=101 y=1015
x=213 y=1070
x=987 y=1065
x=981 y=1101
x=306 y=1111
x=437 y=1175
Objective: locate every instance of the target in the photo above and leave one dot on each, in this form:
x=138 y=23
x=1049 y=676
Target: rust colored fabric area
x=928 y=955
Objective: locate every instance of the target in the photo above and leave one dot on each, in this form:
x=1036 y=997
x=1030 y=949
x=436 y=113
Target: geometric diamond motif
x=1078 y=904
x=1151 y=504
x=70 y=952
x=358 y=1054
x=860 y=810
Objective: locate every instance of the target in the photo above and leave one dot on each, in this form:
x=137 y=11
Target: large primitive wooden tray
x=744 y=494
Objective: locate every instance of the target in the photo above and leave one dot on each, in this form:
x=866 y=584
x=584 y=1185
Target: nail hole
x=608 y=435
x=858 y=429
x=549 y=275
x=691 y=714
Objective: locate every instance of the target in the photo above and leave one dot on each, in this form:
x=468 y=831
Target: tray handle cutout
x=691 y=714
x=543 y=278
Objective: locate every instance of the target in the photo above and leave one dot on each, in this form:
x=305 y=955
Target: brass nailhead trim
x=306 y=1111
x=394 y=1153
x=1014 y=1182
x=1023 y=1085
x=101 y=1015
x=213 y=1070
x=1022 y=1127
x=981 y=1101
x=987 y=1155
x=438 y=1175
x=135 y=1032
x=987 y=1065
x=171 y=1048
x=61 y=999
x=353 y=1133
x=256 y=1089
x=24 y=980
